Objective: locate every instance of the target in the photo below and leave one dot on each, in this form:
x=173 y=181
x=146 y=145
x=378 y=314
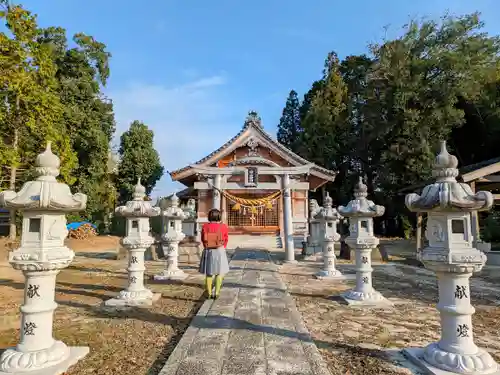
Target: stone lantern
x=450 y=254
x=138 y=239
x=173 y=215
x=42 y=254
x=361 y=212
x=314 y=232
x=329 y=218
x=190 y=216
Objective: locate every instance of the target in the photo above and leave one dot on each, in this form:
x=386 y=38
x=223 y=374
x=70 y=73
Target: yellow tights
x=209 y=285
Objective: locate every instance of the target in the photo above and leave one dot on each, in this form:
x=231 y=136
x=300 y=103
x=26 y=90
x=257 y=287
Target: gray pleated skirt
x=214 y=262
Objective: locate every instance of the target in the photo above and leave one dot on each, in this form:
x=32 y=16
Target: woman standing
x=214 y=236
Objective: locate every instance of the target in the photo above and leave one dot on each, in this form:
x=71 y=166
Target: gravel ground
x=357 y=341
x=137 y=341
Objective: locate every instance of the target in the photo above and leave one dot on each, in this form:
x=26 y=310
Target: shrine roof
x=252 y=129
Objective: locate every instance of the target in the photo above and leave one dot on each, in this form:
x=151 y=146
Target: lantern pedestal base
x=140 y=300
x=333 y=275
x=371 y=299
x=416 y=355
x=312 y=257
x=76 y=353
x=177 y=274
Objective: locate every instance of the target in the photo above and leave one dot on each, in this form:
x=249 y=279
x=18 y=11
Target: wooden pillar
x=474 y=219
x=223 y=209
x=419 y=231
x=288 y=220
x=216 y=200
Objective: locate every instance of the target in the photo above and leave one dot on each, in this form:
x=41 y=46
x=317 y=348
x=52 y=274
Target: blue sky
x=191 y=70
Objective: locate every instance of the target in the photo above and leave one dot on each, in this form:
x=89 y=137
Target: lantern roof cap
x=173 y=211
x=44 y=193
x=360 y=206
x=328 y=212
x=138 y=207
x=446 y=194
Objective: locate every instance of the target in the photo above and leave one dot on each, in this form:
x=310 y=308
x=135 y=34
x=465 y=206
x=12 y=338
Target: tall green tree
x=381 y=115
x=414 y=88
x=138 y=159
x=289 y=129
x=478 y=138
x=324 y=126
x=31 y=109
x=82 y=72
x=355 y=154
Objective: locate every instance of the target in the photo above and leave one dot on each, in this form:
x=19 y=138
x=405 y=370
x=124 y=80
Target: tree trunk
x=13 y=172
x=345 y=252
x=12 y=186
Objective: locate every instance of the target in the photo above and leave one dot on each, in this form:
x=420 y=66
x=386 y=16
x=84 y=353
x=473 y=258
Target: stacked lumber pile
x=83 y=232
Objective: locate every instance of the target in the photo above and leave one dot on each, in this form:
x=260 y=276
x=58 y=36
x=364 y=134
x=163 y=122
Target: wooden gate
x=265 y=220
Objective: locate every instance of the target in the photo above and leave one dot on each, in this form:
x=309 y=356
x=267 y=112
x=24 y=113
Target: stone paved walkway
x=253 y=328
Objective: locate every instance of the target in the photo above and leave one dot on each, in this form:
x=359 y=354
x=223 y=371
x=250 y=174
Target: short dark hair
x=214 y=215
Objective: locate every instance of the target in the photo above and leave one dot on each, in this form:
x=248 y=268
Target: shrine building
x=260 y=186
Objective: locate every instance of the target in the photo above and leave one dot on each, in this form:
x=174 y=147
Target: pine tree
x=289 y=128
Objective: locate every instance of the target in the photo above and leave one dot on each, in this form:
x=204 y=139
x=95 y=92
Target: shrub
x=490 y=231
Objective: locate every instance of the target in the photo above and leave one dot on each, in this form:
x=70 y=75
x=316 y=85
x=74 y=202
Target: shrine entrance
x=242 y=218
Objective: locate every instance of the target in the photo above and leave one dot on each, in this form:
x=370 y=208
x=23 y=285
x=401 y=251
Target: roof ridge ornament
x=253 y=119
x=253 y=147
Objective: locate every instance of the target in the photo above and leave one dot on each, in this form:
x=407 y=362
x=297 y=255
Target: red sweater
x=213 y=228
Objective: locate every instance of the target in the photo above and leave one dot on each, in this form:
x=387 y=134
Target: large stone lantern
x=42 y=254
x=329 y=219
x=450 y=254
x=173 y=215
x=360 y=212
x=138 y=239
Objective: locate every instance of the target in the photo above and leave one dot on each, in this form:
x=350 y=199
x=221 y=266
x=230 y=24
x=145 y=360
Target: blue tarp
x=76 y=225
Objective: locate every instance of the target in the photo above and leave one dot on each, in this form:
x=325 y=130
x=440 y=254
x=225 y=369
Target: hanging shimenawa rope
x=252 y=204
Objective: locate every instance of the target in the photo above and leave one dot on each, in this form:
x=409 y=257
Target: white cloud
x=189 y=120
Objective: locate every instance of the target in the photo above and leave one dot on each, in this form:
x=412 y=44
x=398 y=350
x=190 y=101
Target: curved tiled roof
x=253 y=120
